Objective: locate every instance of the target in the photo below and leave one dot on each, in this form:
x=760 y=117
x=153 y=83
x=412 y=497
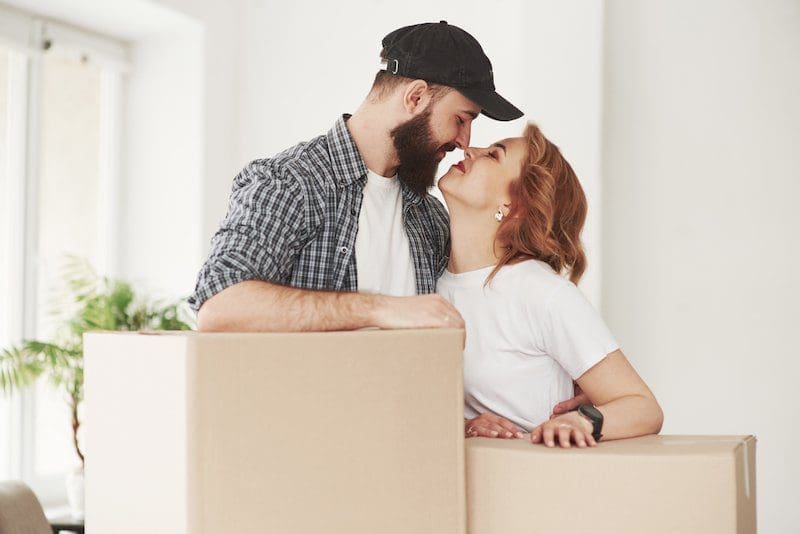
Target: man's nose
x=462 y=140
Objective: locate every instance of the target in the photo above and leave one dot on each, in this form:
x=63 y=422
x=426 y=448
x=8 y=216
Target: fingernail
x=493 y=432
x=520 y=434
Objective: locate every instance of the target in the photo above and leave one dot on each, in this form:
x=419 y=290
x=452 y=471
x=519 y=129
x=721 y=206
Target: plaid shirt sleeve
x=261 y=235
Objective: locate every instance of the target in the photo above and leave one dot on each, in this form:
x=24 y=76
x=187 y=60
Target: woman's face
x=481 y=182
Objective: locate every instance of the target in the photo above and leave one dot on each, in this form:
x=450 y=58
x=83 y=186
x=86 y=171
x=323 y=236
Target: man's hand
x=570 y=404
x=421 y=311
x=564 y=430
x=490 y=425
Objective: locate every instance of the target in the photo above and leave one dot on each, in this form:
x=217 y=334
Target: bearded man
x=340 y=232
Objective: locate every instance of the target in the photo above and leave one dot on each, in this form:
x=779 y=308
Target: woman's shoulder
x=532 y=275
x=529 y=280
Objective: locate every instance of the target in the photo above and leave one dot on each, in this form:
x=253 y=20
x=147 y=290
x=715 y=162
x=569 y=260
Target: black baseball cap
x=445 y=54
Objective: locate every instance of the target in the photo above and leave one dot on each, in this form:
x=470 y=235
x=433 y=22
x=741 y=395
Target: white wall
x=222 y=42
x=181 y=120
x=701 y=254
x=161 y=171
x=305 y=63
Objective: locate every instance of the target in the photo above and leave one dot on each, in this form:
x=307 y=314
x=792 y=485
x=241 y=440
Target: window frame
x=28 y=38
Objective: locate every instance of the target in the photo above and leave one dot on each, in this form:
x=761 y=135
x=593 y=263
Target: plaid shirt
x=293 y=219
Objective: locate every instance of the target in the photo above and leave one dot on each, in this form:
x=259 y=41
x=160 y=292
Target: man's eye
x=460 y=120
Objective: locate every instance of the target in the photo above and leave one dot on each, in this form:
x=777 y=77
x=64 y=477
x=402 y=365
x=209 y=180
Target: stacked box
x=652 y=485
x=362 y=432
x=349 y=432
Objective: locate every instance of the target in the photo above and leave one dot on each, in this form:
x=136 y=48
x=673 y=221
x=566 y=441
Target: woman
x=516 y=214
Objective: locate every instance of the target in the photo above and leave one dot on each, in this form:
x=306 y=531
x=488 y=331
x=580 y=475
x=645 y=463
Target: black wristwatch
x=595 y=417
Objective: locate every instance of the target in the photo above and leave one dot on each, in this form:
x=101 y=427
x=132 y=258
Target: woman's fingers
x=580 y=440
x=547 y=436
x=565 y=436
x=486 y=431
x=507 y=428
x=494 y=423
x=498 y=431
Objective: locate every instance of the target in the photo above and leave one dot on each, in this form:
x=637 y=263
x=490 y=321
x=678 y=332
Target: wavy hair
x=547 y=212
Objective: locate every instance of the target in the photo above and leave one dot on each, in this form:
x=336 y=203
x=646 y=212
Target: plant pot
x=75 y=493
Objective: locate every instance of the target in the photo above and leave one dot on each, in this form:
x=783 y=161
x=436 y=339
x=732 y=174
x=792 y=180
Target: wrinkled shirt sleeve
x=261 y=235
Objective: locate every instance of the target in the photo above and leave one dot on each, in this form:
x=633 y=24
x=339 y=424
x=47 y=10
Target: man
x=339 y=233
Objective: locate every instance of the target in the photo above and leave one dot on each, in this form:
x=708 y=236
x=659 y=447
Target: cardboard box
x=350 y=432
x=648 y=485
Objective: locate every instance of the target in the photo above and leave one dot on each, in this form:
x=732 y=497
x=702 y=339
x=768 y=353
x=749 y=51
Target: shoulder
x=532 y=279
x=299 y=169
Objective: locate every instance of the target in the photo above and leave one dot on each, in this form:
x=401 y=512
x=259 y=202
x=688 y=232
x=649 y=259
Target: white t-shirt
x=530 y=332
x=383 y=257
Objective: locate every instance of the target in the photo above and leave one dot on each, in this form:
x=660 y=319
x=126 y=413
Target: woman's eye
x=493 y=155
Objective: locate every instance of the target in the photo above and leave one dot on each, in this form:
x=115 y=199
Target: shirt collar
x=348 y=165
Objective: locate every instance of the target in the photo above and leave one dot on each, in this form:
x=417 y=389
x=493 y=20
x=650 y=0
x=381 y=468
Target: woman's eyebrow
x=501 y=145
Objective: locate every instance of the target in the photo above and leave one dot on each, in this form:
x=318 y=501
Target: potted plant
x=89 y=302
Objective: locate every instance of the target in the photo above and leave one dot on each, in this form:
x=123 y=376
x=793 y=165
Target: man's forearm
x=257 y=306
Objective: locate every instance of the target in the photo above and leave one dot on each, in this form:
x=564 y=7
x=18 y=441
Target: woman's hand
x=565 y=429
x=490 y=425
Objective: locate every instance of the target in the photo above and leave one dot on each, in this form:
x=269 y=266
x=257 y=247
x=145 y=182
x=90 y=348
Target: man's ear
x=416 y=97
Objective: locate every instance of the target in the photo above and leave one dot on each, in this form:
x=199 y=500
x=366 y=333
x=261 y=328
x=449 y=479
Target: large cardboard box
x=354 y=432
x=648 y=485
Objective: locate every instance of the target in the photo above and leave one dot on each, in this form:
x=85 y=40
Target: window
x=59 y=127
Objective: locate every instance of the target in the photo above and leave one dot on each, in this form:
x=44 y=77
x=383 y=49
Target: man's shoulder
x=304 y=165
x=306 y=155
x=306 y=160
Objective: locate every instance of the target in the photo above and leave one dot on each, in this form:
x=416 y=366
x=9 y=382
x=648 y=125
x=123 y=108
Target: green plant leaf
x=86 y=302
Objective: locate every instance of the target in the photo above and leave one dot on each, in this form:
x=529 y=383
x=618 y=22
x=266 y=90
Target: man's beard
x=417 y=153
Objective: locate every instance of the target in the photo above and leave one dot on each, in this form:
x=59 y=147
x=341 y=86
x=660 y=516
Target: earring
x=498 y=215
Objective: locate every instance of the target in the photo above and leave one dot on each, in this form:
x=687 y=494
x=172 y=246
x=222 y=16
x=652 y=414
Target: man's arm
x=257 y=306
x=570 y=404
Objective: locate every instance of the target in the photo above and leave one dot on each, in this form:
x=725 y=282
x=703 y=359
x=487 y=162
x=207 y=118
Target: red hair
x=547 y=211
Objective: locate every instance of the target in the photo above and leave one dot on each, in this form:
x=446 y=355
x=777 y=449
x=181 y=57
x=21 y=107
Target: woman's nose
x=471 y=152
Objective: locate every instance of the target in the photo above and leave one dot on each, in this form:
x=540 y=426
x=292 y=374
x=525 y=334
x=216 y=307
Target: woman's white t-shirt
x=530 y=332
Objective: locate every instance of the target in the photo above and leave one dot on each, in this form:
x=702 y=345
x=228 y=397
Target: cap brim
x=492 y=105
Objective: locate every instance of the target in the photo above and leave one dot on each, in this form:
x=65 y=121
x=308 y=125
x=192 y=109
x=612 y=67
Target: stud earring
x=498 y=215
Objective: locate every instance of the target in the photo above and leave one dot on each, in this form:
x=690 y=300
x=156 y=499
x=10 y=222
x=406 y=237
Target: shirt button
x=353 y=211
x=343 y=250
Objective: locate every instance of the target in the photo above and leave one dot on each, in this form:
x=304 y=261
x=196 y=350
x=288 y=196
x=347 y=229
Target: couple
x=339 y=233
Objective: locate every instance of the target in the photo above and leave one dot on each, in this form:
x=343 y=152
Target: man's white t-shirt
x=383 y=256
x=530 y=332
